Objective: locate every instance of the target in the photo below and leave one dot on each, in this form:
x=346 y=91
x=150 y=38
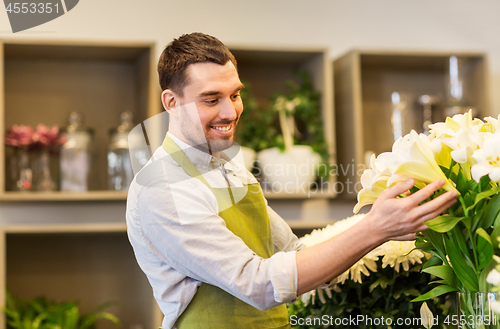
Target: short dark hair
x=185 y=50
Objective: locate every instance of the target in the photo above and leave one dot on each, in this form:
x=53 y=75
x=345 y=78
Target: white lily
x=369 y=195
x=493 y=277
x=495 y=307
x=384 y=168
x=417 y=161
x=488 y=159
x=374 y=180
x=492 y=124
x=452 y=125
x=464 y=121
x=426 y=316
x=462 y=145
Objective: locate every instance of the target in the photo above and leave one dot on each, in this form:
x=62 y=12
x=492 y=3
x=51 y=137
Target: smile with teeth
x=222 y=128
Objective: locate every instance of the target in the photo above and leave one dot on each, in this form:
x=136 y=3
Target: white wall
x=338 y=24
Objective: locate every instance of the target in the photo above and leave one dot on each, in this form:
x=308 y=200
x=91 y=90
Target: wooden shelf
x=313 y=194
x=63 y=196
x=65 y=228
x=364 y=82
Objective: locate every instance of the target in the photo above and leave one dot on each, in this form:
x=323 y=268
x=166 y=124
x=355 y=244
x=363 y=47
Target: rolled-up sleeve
x=204 y=249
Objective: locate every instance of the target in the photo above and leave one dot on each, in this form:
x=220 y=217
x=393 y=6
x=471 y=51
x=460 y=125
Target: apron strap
x=178 y=155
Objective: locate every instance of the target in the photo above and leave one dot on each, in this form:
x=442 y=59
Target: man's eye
x=234 y=97
x=211 y=101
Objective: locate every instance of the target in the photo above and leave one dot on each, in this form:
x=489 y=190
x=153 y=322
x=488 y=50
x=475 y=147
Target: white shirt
x=180 y=240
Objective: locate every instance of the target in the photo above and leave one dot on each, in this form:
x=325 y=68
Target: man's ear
x=171 y=102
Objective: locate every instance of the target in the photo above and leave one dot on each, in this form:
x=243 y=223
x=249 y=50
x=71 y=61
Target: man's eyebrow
x=215 y=92
x=209 y=93
x=240 y=87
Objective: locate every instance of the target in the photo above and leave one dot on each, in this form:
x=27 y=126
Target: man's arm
x=390 y=218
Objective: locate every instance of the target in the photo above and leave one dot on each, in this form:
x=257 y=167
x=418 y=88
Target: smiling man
x=216 y=255
x=214 y=90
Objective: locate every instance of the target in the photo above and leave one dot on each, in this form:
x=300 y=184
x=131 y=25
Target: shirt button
x=204 y=167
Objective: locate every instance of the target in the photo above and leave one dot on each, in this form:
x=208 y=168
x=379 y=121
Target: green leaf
x=496 y=231
x=444 y=272
x=483 y=285
x=477 y=220
x=438 y=291
x=459 y=238
x=425 y=246
x=491 y=211
x=484 y=248
x=433 y=261
x=483 y=195
x=466 y=275
x=449 y=171
x=472 y=185
x=437 y=241
x=467 y=222
x=484 y=182
x=462 y=185
x=71 y=317
x=382 y=282
x=442 y=224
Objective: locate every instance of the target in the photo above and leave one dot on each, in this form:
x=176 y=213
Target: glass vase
x=475 y=310
x=20 y=172
x=43 y=176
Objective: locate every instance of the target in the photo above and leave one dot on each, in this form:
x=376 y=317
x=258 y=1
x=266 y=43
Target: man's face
x=211 y=105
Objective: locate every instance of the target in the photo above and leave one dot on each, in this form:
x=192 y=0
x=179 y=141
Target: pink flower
x=47 y=136
x=19 y=136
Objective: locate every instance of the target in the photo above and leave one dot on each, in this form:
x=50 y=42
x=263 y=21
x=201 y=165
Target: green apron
x=212 y=307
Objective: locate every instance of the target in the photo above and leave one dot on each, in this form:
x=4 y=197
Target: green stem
x=391 y=286
x=360 y=296
x=476 y=257
x=462 y=202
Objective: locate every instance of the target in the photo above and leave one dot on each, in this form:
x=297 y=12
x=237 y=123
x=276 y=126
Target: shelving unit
x=68 y=258
x=268 y=68
x=364 y=82
x=42 y=82
x=89 y=263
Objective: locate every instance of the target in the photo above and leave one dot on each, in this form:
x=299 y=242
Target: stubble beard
x=206 y=140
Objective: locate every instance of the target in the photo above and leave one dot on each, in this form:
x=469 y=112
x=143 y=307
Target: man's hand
x=393 y=218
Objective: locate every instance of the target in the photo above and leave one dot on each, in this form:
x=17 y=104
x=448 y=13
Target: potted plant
x=291 y=163
x=255 y=130
x=41 y=313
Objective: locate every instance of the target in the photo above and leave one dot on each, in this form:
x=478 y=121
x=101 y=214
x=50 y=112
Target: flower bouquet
x=373 y=293
x=466 y=153
x=25 y=140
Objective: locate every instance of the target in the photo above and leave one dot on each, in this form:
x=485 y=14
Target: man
x=215 y=254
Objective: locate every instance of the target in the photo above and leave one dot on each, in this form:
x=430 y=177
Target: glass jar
x=76 y=160
x=120 y=173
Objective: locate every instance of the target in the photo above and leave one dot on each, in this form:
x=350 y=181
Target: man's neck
x=205 y=147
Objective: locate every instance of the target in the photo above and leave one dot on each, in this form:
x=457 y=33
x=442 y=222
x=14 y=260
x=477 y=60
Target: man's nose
x=228 y=110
